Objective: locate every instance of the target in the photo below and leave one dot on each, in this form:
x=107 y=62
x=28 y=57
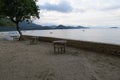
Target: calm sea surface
x=111 y=36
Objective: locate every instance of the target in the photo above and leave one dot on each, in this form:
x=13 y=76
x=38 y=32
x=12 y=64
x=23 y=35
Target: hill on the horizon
x=69 y=27
x=9 y=26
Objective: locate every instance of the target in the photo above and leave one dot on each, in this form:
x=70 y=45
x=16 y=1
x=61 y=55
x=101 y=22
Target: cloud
x=97 y=5
x=80 y=12
x=63 y=6
x=111 y=8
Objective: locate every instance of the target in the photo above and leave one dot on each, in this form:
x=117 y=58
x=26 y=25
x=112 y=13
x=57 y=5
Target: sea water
x=109 y=35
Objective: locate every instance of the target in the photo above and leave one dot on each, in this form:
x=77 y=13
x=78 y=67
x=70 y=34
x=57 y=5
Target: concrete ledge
x=85 y=45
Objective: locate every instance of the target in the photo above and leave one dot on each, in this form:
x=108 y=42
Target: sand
x=22 y=61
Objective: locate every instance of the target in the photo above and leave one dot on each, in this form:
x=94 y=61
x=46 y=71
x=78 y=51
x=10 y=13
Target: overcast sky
x=79 y=12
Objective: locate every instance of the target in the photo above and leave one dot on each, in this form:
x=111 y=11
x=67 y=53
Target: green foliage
x=19 y=10
x=6 y=22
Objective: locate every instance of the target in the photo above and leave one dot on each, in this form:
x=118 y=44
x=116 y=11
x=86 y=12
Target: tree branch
x=13 y=20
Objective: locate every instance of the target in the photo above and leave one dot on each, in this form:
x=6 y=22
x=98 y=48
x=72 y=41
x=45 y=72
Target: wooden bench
x=59 y=46
x=15 y=37
x=33 y=40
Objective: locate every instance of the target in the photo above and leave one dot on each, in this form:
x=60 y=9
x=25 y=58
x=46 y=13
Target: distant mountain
x=60 y=27
x=114 y=27
x=24 y=26
x=8 y=28
x=69 y=27
x=79 y=27
x=32 y=26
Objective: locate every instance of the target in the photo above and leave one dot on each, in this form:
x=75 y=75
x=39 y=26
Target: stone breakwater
x=86 y=45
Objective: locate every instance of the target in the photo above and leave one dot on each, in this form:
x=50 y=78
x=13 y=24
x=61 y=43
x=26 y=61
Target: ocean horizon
x=103 y=35
x=111 y=36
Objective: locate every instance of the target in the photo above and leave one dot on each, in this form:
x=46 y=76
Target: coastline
x=20 y=60
x=86 y=45
x=105 y=48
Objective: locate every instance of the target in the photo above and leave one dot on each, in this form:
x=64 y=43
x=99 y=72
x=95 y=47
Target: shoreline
x=85 y=45
x=21 y=61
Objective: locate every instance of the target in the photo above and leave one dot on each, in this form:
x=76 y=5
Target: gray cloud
x=111 y=8
x=61 y=7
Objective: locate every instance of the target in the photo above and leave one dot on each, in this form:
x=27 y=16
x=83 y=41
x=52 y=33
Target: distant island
x=69 y=27
x=114 y=27
x=33 y=26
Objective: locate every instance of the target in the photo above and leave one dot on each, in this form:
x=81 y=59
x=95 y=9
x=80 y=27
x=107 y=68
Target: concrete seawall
x=86 y=45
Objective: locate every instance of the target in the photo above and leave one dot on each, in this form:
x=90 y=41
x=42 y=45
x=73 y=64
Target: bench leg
x=59 y=48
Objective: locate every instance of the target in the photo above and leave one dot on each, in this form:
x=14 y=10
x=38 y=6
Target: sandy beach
x=22 y=61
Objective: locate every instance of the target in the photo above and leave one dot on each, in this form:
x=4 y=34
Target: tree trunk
x=18 y=29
